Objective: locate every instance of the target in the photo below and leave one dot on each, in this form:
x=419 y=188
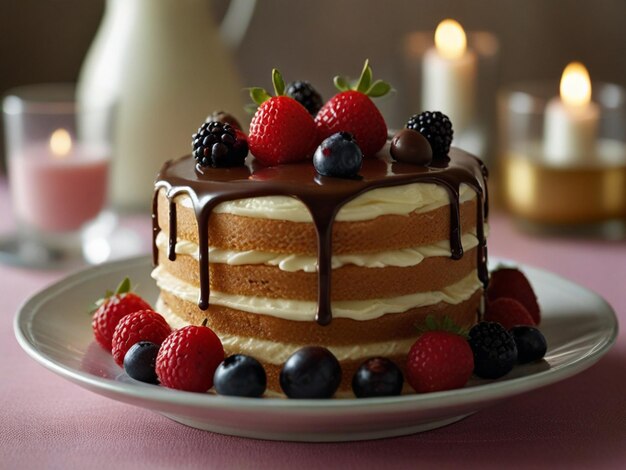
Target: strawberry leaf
x=278 y=82
x=378 y=88
x=259 y=95
x=124 y=287
x=365 y=79
x=251 y=108
x=341 y=83
x=445 y=324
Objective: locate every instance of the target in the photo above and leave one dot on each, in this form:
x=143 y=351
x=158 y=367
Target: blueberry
x=377 y=377
x=311 y=372
x=530 y=342
x=140 y=360
x=240 y=376
x=494 y=350
x=338 y=155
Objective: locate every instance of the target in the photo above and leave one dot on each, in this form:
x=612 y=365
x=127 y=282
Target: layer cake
x=279 y=258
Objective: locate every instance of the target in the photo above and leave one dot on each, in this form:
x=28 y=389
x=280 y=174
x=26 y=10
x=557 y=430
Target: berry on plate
x=377 y=377
x=494 y=350
x=240 y=376
x=439 y=360
x=281 y=130
x=143 y=325
x=437 y=129
x=353 y=111
x=530 y=342
x=508 y=312
x=310 y=372
x=339 y=156
x=140 y=361
x=304 y=93
x=188 y=358
x=219 y=145
x=111 y=309
x=511 y=282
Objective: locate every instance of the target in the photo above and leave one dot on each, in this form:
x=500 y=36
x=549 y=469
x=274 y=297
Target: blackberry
x=437 y=129
x=495 y=352
x=218 y=144
x=304 y=93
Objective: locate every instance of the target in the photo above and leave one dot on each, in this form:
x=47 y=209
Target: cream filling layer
x=295 y=262
x=396 y=200
x=304 y=310
x=278 y=353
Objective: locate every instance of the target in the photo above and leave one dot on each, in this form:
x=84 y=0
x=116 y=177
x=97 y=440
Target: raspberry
x=508 y=312
x=439 y=360
x=144 y=325
x=511 y=282
x=219 y=145
x=494 y=350
x=112 y=309
x=188 y=359
x=437 y=129
x=304 y=93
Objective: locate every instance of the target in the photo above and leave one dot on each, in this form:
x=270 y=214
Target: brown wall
x=45 y=40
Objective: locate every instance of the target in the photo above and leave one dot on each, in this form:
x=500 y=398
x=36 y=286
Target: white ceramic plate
x=54 y=328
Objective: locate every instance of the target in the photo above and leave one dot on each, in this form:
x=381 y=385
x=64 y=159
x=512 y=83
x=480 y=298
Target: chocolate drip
x=171 y=252
x=323 y=197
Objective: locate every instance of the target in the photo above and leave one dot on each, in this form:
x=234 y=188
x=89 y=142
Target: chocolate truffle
x=409 y=146
x=224 y=118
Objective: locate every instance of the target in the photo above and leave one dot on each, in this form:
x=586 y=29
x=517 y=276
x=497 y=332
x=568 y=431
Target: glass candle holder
x=57 y=179
x=560 y=176
x=460 y=87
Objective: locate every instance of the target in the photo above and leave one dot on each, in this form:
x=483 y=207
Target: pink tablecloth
x=47 y=422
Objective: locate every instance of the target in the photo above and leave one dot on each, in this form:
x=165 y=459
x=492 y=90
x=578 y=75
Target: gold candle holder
x=571 y=195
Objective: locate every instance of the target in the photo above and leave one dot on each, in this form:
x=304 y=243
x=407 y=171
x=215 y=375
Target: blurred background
x=47 y=41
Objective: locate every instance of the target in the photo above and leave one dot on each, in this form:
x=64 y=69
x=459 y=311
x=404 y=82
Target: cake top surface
x=300 y=180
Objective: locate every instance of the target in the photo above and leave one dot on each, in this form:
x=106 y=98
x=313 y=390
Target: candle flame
x=450 y=39
x=575 y=85
x=60 y=143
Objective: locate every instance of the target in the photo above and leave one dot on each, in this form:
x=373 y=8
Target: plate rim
x=159 y=395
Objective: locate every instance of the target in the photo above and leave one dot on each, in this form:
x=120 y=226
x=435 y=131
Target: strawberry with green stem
x=112 y=308
x=353 y=111
x=282 y=130
x=440 y=359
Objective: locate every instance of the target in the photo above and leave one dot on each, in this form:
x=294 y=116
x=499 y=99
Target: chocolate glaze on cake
x=323 y=196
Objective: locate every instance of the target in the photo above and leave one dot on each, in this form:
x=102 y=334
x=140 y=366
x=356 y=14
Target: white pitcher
x=162 y=66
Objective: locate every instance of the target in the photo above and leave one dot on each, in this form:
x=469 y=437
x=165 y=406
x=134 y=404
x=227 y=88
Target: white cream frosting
x=304 y=310
x=277 y=353
x=398 y=200
x=295 y=262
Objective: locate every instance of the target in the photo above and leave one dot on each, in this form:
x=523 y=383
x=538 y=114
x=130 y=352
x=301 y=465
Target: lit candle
x=449 y=75
x=571 y=121
x=57 y=186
